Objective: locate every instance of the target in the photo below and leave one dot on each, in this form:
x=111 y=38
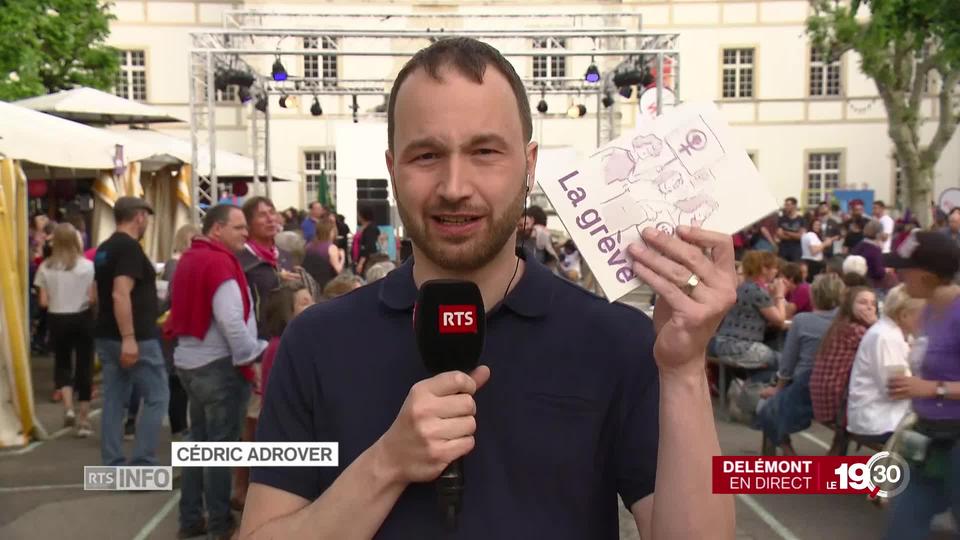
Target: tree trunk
x=917 y=185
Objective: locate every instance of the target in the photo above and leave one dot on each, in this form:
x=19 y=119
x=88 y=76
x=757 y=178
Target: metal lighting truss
x=251 y=33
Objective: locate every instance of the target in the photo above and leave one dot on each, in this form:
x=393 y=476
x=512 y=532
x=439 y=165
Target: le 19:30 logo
x=885 y=475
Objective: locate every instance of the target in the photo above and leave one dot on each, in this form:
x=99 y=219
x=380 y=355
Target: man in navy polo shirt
x=578 y=400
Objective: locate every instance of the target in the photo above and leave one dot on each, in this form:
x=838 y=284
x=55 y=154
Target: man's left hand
x=686 y=319
x=911 y=387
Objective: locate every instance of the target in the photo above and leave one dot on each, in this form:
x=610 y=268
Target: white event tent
x=92 y=106
x=138 y=162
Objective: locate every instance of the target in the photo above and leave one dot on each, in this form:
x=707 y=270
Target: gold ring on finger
x=692 y=283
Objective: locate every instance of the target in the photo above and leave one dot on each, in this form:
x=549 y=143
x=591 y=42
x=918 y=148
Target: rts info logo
x=458 y=319
x=157 y=478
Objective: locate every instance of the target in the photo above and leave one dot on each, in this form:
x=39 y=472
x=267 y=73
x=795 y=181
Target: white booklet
x=684 y=167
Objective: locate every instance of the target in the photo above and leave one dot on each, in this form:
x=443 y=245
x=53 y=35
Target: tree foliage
x=902 y=45
x=52 y=45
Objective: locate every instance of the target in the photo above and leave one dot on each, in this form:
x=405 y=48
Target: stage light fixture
x=261 y=104
x=315 y=109
x=279 y=72
x=628 y=78
x=244 y=93
x=542 y=106
x=626 y=91
x=576 y=111
x=234 y=76
x=283 y=102
x=593 y=74
x=226 y=77
x=607 y=100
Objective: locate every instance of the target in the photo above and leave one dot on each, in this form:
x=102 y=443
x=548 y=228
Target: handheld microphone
x=450 y=323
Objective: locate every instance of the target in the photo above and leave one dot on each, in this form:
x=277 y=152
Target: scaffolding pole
x=194 y=143
x=401 y=54
x=212 y=128
x=266 y=153
x=256 y=152
x=659 y=84
x=585 y=33
x=599 y=114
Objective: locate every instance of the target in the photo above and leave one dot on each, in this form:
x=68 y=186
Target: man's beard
x=474 y=253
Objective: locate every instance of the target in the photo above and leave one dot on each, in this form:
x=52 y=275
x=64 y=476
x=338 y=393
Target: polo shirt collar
x=397 y=289
x=530 y=298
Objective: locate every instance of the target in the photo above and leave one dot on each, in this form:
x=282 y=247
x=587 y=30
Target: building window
x=824 y=74
x=316 y=66
x=547 y=67
x=228 y=95
x=132 y=77
x=738 y=73
x=320 y=165
x=823 y=176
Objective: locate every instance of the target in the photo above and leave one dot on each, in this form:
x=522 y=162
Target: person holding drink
x=927 y=262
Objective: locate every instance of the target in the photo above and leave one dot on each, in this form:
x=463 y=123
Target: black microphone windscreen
x=450 y=323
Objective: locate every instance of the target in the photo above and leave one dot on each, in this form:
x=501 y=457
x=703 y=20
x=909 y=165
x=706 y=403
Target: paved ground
x=41 y=497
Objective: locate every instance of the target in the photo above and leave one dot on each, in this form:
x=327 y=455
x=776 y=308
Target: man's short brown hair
x=251 y=205
x=470 y=58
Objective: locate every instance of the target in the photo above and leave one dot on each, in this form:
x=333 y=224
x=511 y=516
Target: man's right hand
x=129 y=352
x=778 y=288
x=435 y=426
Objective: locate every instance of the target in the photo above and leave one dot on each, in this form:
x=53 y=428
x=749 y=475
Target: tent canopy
x=44 y=139
x=40 y=138
x=229 y=164
x=88 y=105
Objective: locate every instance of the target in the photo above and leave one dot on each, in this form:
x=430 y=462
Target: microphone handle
x=450 y=491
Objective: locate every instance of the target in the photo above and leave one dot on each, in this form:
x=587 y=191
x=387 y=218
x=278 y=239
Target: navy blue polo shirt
x=568 y=420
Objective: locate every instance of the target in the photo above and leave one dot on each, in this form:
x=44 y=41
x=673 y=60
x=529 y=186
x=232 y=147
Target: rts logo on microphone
x=458 y=319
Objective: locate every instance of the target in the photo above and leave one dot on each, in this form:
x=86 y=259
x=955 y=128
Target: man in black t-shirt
x=854 y=225
x=369 y=237
x=343 y=232
x=126 y=336
x=790 y=227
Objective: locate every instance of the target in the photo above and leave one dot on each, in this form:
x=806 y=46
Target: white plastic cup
x=897 y=370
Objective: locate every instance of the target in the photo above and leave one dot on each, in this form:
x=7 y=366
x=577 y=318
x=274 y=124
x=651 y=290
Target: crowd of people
x=203 y=331
x=852 y=321
x=806 y=319
x=193 y=338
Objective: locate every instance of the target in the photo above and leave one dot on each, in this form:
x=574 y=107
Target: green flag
x=322 y=189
